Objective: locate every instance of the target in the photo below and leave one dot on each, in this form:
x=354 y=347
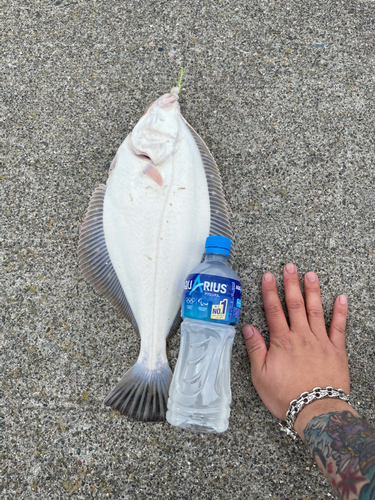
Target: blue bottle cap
x=218 y=244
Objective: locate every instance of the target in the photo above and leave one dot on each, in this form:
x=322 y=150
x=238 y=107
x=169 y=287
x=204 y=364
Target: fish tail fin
x=142 y=393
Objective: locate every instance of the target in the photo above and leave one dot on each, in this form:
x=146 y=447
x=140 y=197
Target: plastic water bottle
x=199 y=394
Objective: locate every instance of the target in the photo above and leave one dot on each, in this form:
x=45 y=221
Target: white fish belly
x=155 y=236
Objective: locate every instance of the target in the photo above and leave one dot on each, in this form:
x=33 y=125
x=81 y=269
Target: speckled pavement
x=282 y=93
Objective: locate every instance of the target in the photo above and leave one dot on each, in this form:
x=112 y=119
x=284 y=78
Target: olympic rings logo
x=189 y=300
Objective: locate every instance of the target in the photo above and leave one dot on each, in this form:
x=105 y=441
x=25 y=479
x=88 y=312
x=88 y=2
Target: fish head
x=156 y=135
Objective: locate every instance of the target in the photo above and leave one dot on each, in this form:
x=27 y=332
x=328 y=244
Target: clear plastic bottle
x=200 y=394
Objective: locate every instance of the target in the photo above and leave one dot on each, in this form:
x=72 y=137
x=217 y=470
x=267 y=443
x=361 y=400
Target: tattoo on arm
x=343 y=446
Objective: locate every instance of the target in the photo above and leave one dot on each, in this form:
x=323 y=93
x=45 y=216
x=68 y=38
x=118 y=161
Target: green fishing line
x=179 y=83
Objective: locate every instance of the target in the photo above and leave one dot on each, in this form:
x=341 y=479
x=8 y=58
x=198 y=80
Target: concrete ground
x=282 y=93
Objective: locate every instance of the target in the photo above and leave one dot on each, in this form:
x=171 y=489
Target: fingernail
x=268 y=277
x=310 y=276
x=290 y=268
x=248 y=332
x=343 y=300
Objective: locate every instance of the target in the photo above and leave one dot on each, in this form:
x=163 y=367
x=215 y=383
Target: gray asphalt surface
x=282 y=93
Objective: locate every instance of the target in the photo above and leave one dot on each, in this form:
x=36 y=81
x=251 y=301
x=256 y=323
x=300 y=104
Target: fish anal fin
x=94 y=260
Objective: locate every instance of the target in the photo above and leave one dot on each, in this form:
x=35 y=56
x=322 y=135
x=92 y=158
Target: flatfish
x=143 y=232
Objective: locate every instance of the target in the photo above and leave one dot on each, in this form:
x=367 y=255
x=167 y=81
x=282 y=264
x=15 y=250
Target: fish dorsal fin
x=220 y=225
x=94 y=260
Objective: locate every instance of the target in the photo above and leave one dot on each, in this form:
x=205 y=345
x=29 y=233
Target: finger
x=276 y=320
x=338 y=323
x=314 y=308
x=294 y=300
x=256 y=348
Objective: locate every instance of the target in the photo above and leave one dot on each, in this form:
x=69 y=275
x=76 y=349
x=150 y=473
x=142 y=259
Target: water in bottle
x=200 y=395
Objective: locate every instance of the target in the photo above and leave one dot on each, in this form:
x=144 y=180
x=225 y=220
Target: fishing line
x=179 y=82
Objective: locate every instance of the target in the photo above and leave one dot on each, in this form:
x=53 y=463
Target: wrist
x=319 y=407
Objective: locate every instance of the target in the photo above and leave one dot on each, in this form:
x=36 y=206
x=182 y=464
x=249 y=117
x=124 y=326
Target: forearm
x=343 y=445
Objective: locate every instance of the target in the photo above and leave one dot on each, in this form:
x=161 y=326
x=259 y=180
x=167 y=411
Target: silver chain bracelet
x=304 y=399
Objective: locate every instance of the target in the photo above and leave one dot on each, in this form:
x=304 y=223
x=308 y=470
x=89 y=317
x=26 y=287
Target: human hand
x=301 y=356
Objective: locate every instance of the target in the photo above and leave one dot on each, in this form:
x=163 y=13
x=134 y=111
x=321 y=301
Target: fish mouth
x=167 y=100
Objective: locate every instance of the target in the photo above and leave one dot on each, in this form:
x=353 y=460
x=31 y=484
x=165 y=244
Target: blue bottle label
x=212 y=298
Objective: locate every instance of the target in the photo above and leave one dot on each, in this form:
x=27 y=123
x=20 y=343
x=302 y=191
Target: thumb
x=256 y=347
